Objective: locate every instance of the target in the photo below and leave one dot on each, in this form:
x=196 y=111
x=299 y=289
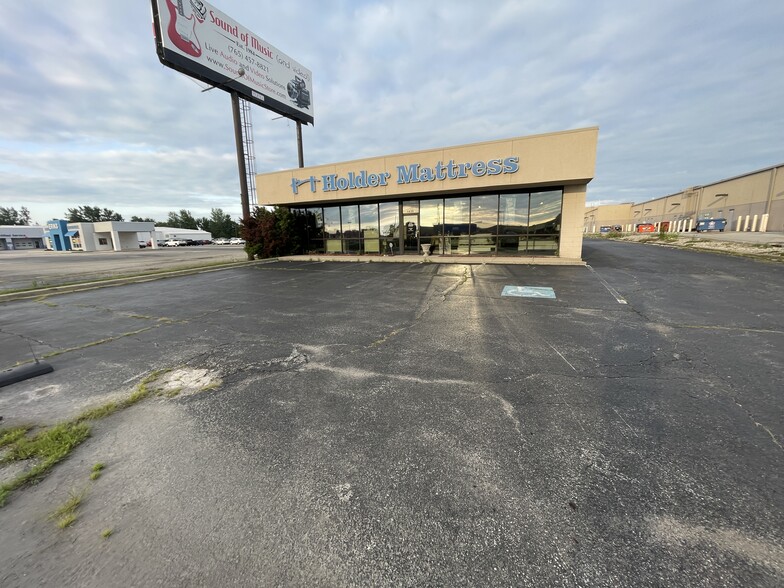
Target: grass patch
x=9 y=436
x=50 y=445
x=55 y=443
x=106 y=533
x=65 y=515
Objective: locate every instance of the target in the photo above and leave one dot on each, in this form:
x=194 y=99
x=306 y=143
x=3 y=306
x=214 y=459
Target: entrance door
x=410 y=233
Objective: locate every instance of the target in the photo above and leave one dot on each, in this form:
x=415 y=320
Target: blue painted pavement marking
x=529 y=292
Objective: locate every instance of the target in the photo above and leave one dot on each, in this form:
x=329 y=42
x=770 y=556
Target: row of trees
x=11 y=216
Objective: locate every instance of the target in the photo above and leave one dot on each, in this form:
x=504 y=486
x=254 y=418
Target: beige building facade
x=750 y=202
x=523 y=196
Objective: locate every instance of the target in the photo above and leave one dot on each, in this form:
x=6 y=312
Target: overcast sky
x=684 y=93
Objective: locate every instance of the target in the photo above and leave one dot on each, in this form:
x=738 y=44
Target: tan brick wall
x=572 y=214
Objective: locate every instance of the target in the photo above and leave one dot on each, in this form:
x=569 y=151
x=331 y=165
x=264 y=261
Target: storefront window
x=457 y=218
x=332 y=222
x=431 y=222
x=349 y=216
x=457 y=215
x=315 y=223
x=544 y=222
x=368 y=222
x=484 y=214
x=389 y=219
x=512 y=223
x=332 y=241
x=488 y=224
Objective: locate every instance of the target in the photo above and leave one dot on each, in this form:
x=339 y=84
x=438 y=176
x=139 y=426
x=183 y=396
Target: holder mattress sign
x=408 y=174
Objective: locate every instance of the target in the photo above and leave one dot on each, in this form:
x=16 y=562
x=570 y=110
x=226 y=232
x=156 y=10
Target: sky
x=684 y=93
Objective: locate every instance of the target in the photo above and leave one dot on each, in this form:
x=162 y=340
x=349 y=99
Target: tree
x=183 y=220
x=219 y=224
x=138 y=219
x=92 y=214
x=10 y=216
x=271 y=233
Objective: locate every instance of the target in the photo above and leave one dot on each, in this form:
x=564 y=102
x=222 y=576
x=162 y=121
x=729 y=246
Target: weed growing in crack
x=47 y=448
x=96 y=471
x=65 y=515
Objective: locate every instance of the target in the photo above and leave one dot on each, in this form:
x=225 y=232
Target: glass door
x=411 y=233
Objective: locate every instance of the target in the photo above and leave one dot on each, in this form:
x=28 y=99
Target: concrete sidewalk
x=443 y=259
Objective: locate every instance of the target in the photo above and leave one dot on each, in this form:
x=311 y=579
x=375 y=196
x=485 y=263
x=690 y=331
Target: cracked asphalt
x=406 y=425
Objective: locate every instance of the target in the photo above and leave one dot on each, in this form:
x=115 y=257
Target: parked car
x=176 y=243
x=220 y=241
x=236 y=241
x=142 y=244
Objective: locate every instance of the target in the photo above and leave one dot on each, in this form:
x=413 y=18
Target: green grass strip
x=50 y=446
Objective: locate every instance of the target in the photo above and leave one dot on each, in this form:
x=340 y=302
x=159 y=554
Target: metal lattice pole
x=250 y=154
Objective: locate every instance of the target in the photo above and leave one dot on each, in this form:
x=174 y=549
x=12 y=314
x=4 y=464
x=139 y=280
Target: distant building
x=61 y=235
x=749 y=202
x=166 y=233
x=21 y=237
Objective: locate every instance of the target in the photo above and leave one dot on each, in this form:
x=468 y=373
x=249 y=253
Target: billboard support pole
x=299 y=145
x=235 y=109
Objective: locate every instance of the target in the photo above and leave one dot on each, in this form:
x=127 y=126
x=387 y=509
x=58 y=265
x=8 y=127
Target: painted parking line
x=610 y=289
x=529 y=292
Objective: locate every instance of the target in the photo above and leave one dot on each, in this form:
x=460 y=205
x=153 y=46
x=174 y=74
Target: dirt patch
x=680 y=534
x=184 y=381
x=766 y=251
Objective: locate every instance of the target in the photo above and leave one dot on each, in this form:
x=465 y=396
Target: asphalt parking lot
x=36 y=267
x=391 y=424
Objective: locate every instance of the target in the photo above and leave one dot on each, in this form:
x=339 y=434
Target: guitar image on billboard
x=182 y=27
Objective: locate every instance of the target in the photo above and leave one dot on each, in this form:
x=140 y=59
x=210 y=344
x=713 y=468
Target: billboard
x=199 y=40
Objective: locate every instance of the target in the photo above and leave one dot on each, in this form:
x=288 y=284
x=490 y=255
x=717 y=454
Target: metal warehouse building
x=749 y=202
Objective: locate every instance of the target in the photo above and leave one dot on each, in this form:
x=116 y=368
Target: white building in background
x=166 y=233
x=21 y=237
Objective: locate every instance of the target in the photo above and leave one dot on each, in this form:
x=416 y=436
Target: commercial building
x=166 y=233
x=749 y=202
x=61 y=235
x=21 y=237
x=523 y=196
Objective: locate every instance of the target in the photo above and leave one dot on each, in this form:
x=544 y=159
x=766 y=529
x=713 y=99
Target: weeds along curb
x=53 y=444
